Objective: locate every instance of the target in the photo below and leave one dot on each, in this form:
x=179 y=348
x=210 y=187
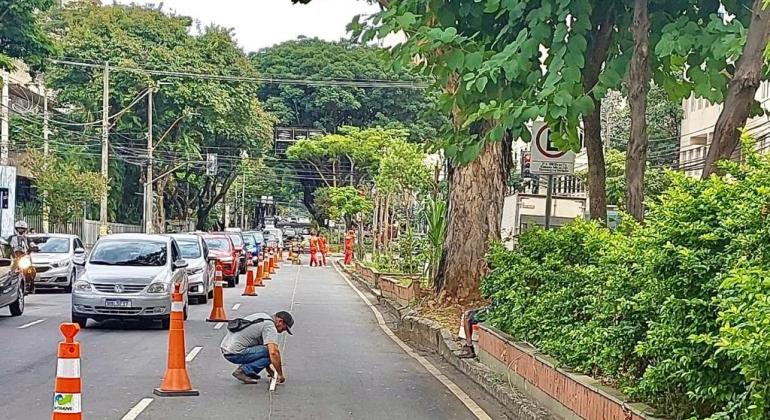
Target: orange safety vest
x=323 y=245
x=349 y=242
x=313 y=243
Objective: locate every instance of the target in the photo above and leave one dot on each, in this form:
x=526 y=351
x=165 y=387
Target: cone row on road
x=176 y=381
x=218 y=307
x=66 y=396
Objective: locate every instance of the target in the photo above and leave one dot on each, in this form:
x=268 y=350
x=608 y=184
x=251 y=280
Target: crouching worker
x=252 y=343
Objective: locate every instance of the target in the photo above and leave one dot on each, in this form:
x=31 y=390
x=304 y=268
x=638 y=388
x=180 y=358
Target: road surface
x=339 y=364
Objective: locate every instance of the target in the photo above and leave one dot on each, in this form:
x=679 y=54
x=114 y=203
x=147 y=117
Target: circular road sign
x=543 y=143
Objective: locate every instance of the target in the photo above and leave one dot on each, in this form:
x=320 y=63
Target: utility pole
x=148 y=195
x=243 y=201
x=4 y=105
x=105 y=147
x=45 y=153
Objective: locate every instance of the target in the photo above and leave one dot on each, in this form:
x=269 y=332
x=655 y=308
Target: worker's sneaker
x=240 y=375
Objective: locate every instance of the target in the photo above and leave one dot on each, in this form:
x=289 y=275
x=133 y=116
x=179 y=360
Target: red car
x=222 y=249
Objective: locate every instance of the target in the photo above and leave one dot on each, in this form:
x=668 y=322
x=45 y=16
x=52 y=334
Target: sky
x=263 y=23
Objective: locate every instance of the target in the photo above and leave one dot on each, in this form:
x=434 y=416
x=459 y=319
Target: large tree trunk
x=476 y=197
x=741 y=90
x=638 y=85
x=603 y=22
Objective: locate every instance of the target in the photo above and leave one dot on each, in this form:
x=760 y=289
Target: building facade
x=698 y=122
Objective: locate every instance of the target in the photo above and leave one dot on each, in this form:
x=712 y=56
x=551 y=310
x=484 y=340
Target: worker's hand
x=281 y=379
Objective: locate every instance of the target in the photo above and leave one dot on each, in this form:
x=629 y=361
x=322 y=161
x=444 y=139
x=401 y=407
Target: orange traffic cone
x=272 y=262
x=266 y=268
x=176 y=382
x=249 y=289
x=278 y=258
x=66 y=392
x=258 y=274
x=217 y=309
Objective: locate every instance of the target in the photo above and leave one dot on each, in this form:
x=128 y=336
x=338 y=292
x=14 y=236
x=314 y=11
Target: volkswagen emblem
x=118 y=288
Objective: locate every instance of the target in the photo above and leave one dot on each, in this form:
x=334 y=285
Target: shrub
x=675 y=312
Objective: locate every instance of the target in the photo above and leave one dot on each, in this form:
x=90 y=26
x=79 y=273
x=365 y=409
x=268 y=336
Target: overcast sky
x=262 y=23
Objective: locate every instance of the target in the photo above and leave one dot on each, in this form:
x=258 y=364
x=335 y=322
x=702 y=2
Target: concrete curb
x=429 y=335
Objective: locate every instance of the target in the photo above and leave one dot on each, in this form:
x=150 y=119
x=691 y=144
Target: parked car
x=11 y=282
x=130 y=276
x=270 y=240
x=240 y=246
x=200 y=269
x=53 y=260
x=275 y=232
x=252 y=246
x=289 y=234
x=223 y=252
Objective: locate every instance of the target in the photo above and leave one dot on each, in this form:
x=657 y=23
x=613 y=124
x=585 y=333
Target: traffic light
x=526 y=160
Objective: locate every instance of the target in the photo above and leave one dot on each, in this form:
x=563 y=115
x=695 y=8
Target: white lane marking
x=29 y=324
x=236 y=306
x=137 y=409
x=453 y=388
x=194 y=352
x=219 y=325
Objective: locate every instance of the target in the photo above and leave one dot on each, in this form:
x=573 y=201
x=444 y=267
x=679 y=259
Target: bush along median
x=675 y=313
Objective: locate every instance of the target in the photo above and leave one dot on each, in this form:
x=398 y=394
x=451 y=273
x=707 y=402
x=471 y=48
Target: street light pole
x=46 y=226
x=105 y=147
x=148 y=197
x=4 y=104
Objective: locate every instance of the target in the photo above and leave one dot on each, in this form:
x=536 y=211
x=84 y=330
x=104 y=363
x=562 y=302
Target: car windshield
x=249 y=240
x=220 y=244
x=236 y=238
x=258 y=236
x=269 y=237
x=131 y=253
x=190 y=249
x=49 y=245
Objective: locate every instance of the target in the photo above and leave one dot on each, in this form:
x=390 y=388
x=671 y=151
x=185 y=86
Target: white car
x=53 y=260
x=277 y=233
x=200 y=270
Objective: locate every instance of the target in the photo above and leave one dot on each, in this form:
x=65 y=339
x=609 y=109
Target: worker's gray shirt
x=262 y=333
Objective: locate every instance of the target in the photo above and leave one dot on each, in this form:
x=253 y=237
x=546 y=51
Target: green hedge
x=676 y=312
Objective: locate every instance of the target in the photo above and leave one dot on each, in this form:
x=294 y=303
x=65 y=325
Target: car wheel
x=165 y=323
x=82 y=321
x=204 y=299
x=232 y=281
x=68 y=287
x=185 y=312
x=17 y=307
x=210 y=294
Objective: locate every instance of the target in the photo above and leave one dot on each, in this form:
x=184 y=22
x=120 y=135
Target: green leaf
x=481 y=83
x=471 y=151
x=497 y=133
x=406 y=20
x=473 y=60
x=455 y=59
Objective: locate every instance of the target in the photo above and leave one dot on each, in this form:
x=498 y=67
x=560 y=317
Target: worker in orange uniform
x=350 y=237
x=313 y=250
x=323 y=246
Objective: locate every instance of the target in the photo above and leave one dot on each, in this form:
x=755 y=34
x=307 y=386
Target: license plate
x=117 y=303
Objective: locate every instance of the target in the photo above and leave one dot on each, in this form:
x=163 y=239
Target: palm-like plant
x=434 y=213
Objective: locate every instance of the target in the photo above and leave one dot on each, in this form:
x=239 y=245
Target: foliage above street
x=63 y=187
x=673 y=312
x=329 y=107
x=344 y=203
x=22 y=35
x=192 y=116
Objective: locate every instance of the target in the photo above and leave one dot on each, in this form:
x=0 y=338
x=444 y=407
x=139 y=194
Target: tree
x=345 y=203
x=638 y=86
x=744 y=81
x=331 y=106
x=192 y=116
x=65 y=188
x=22 y=35
x=656 y=180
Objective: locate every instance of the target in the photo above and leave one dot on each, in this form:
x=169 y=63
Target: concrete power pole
x=148 y=195
x=105 y=147
x=46 y=226
x=4 y=105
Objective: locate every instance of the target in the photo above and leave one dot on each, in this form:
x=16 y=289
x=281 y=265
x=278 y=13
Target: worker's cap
x=287 y=319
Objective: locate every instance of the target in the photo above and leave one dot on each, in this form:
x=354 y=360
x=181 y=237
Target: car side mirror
x=179 y=264
x=5 y=262
x=80 y=251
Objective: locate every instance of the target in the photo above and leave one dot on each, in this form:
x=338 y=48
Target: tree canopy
x=22 y=35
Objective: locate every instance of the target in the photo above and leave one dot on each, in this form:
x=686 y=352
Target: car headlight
x=25 y=262
x=158 y=288
x=194 y=271
x=58 y=264
x=82 y=286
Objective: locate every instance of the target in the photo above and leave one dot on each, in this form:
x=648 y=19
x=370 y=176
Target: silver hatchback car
x=53 y=259
x=130 y=276
x=200 y=270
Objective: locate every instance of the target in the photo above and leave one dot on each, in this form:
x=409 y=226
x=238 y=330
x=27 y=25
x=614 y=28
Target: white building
x=699 y=119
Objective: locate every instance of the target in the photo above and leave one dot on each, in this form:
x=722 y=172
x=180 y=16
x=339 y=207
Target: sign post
x=547 y=159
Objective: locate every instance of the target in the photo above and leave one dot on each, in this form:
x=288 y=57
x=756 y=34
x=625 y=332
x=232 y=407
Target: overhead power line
x=393 y=84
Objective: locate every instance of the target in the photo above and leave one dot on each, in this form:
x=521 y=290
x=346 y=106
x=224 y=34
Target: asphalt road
x=339 y=364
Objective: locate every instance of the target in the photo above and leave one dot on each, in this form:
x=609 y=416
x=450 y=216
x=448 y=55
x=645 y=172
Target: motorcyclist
x=21 y=246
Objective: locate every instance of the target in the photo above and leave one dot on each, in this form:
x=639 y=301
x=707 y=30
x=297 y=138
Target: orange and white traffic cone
x=66 y=392
x=176 y=381
x=258 y=274
x=266 y=268
x=249 y=290
x=218 y=309
x=272 y=262
x=278 y=259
